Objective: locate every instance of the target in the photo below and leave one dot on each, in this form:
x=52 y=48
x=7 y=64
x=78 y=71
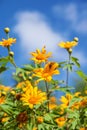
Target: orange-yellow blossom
x=7 y=42
x=52 y=103
x=40 y=56
x=68 y=44
x=66 y=100
x=2 y=100
x=60 y=121
x=24 y=85
x=82 y=128
x=47 y=72
x=33 y=96
x=40 y=119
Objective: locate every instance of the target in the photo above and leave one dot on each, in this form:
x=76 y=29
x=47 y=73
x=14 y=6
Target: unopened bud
x=76 y=39
x=70 y=50
x=13 y=92
x=3 y=93
x=7 y=30
x=11 y=53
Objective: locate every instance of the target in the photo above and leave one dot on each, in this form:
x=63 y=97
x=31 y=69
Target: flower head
x=2 y=100
x=40 y=56
x=68 y=45
x=33 y=96
x=7 y=42
x=40 y=119
x=66 y=100
x=60 y=121
x=82 y=128
x=47 y=72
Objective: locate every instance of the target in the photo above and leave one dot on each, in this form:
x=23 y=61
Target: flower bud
x=40 y=119
x=70 y=50
x=11 y=53
x=7 y=30
x=3 y=93
x=13 y=92
x=76 y=39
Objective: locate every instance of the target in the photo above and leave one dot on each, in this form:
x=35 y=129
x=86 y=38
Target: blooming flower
x=52 y=103
x=82 y=128
x=68 y=44
x=23 y=85
x=2 y=100
x=53 y=99
x=4 y=88
x=47 y=72
x=40 y=56
x=66 y=100
x=40 y=119
x=60 y=121
x=7 y=42
x=33 y=96
x=52 y=106
x=35 y=128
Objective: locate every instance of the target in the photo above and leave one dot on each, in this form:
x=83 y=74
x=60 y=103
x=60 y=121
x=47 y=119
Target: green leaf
x=68 y=66
x=63 y=89
x=76 y=61
x=48 y=118
x=41 y=127
x=4 y=61
x=19 y=70
x=5 y=108
x=3 y=68
x=81 y=74
x=73 y=100
x=28 y=67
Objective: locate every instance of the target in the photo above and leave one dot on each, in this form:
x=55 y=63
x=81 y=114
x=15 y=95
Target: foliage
x=28 y=107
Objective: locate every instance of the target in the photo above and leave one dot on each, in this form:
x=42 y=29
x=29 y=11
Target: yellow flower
x=23 y=85
x=5 y=119
x=33 y=96
x=52 y=106
x=53 y=99
x=7 y=42
x=35 y=128
x=4 y=88
x=47 y=72
x=40 y=56
x=60 y=121
x=68 y=44
x=66 y=100
x=2 y=100
x=76 y=105
x=40 y=119
x=52 y=103
x=77 y=94
x=83 y=102
x=82 y=128
x=85 y=91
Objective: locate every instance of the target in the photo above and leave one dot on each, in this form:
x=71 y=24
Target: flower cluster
x=31 y=104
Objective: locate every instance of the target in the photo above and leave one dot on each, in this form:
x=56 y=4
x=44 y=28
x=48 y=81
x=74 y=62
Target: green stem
x=47 y=91
x=67 y=71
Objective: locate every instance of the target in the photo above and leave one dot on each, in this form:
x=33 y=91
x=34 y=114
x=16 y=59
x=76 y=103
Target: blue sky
x=36 y=23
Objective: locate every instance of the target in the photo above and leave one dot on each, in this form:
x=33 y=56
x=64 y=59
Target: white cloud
x=34 y=32
x=81 y=57
x=82 y=26
x=75 y=14
x=68 y=12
